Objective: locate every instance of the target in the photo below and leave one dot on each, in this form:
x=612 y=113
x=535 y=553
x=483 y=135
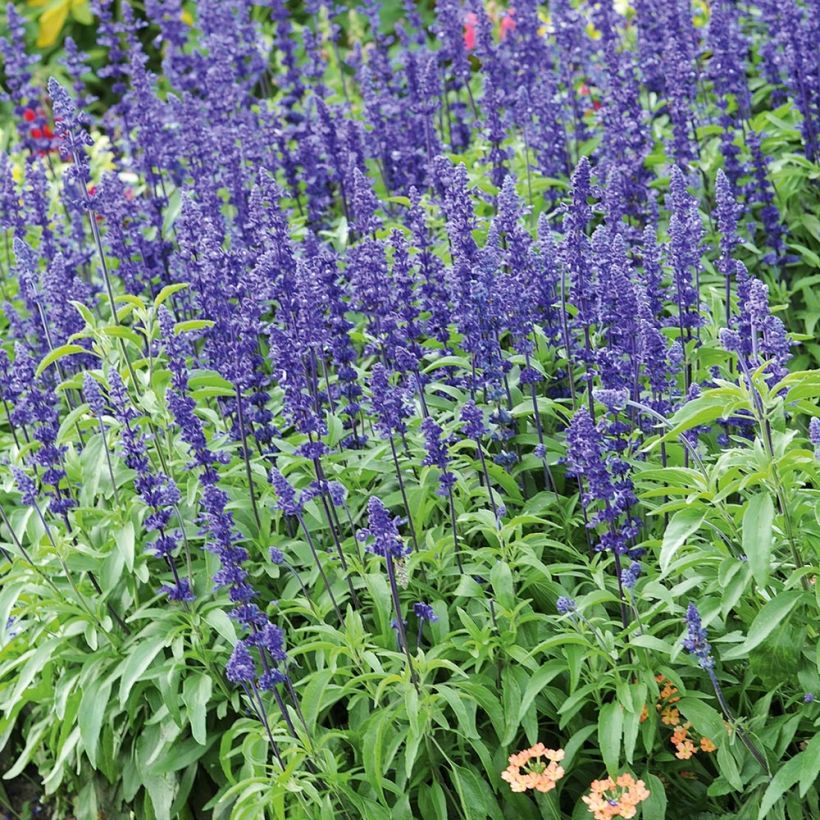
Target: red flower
x=507 y=23
x=470 y=23
x=29 y=115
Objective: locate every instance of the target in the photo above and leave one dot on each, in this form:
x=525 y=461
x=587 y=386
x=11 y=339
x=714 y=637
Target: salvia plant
x=411 y=412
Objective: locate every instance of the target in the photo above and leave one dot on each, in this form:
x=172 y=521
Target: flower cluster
x=534 y=768
x=615 y=798
x=696 y=641
x=683 y=738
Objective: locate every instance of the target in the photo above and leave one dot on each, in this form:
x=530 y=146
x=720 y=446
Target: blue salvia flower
x=696 y=641
x=472 y=418
x=437 y=454
x=154 y=487
x=424 y=612
x=814 y=435
x=684 y=254
x=727 y=72
x=629 y=576
x=565 y=605
x=388 y=402
x=383 y=530
x=681 y=81
x=70 y=126
x=769 y=340
x=609 y=493
x=240 y=667
x=764 y=194
x=385 y=541
x=286 y=499
x=26 y=486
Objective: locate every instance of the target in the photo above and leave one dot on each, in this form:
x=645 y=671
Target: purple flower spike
x=695 y=641
x=240 y=668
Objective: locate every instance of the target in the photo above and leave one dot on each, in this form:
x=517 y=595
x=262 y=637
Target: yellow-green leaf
x=51 y=23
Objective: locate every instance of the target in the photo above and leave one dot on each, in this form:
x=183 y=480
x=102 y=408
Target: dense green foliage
x=115 y=699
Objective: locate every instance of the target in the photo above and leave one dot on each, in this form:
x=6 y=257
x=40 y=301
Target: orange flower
x=706 y=745
x=615 y=798
x=681 y=741
x=644 y=714
x=527 y=770
x=668 y=691
x=670 y=716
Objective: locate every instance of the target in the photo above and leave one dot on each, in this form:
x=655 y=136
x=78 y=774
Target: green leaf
x=785 y=777
x=124 y=536
x=91 y=714
x=136 y=665
x=706 y=720
x=769 y=617
x=51 y=23
x=682 y=524
x=654 y=807
x=372 y=750
x=728 y=767
x=610 y=729
x=58 y=353
x=196 y=692
x=191 y=325
x=502 y=583
x=121 y=332
x=713 y=404
x=432 y=802
x=541 y=677
x=33 y=737
x=757 y=535
x=220 y=621
x=168 y=291
x=810 y=770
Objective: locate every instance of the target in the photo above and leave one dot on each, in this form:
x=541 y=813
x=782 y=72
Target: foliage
x=380 y=401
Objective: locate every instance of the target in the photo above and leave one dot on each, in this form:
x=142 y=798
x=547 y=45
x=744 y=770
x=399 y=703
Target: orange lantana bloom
x=527 y=769
x=615 y=798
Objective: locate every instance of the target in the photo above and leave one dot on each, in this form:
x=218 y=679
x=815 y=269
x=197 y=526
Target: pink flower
x=507 y=23
x=470 y=23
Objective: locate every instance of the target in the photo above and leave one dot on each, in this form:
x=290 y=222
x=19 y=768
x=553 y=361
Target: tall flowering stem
x=288 y=503
x=390 y=408
x=609 y=495
x=697 y=644
x=438 y=456
x=386 y=542
x=474 y=428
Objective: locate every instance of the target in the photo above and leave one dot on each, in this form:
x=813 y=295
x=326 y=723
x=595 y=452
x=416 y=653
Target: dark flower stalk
x=389 y=406
x=327 y=506
x=438 y=456
x=73 y=139
x=697 y=644
x=240 y=417
x=241 y=670
x=290 y=505
x=387 y=543
x=94 y=397
x=28 y=491
x=473 y=427
x=219 y=524
x=157 y=490
x=423 y=612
